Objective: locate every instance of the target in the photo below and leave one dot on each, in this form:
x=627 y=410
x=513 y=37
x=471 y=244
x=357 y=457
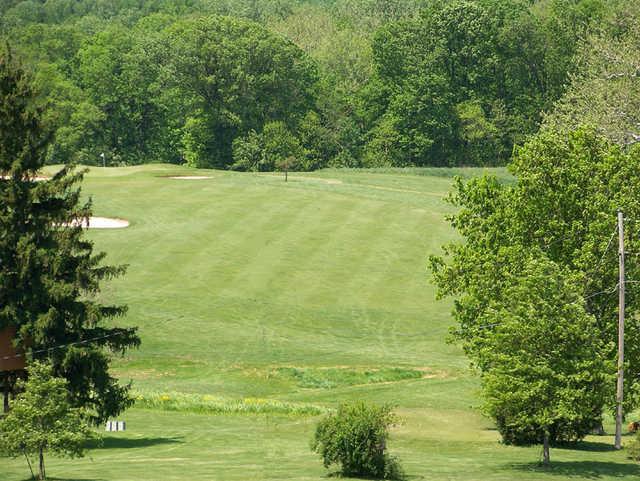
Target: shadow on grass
x=402 y=477
x=53 y=478
x=591 y=446
x=127 y=443
x=582 y=469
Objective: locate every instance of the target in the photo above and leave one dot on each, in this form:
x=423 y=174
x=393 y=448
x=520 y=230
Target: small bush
x=633 y=448
x=355 y=439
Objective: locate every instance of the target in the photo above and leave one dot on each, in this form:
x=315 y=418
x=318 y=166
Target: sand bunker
x=103 y=223
x=190 y=177
x=37 y=178
x=107 y=223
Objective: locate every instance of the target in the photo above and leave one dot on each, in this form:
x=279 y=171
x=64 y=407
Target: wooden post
x=620 y=384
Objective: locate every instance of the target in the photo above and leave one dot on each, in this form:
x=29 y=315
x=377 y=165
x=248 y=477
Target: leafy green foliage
x=605 y=93
x=358 y=83
x=275 y=148
x=248 y=152
x=562 y=208
x=633 y=448
x=467 y=80
x=237 y=77
x=545 y=371
x=49 y=276
x=41 y=420
x=355 y=439
x=281 y=149
x=119 y=70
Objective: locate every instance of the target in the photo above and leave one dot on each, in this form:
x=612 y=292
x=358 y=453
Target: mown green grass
x=296 y=294
x=329 y=378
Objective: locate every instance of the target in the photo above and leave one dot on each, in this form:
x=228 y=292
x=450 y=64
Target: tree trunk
x=545 y=450
x=598 y=429
x=33 y=476
x=42 y=474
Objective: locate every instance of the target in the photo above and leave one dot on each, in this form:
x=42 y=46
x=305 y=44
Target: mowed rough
x=237 y=280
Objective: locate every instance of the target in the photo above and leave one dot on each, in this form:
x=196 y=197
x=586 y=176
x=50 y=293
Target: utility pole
x=621 y=283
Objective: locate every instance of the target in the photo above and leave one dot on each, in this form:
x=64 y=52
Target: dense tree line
x=605 y=90
x=535 y=276
x=219 y=83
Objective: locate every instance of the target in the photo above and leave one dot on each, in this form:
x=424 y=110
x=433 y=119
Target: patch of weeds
x=328 y=378
x=206 y=404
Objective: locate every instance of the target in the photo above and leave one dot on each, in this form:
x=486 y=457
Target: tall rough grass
x=206 y=404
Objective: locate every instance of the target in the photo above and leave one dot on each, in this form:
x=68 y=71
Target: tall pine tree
x=49 y=274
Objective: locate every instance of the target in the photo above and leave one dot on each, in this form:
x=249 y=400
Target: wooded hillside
x=247 y=84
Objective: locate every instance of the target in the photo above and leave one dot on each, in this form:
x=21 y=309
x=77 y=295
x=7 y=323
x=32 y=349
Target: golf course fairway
x=262 y=305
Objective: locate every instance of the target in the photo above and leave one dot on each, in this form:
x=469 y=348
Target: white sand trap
x=103 y=223
x=37 y=178
x=190 y=177
x=107 y=223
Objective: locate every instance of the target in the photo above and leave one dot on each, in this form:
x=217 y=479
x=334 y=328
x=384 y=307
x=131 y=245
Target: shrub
x=355 y=439
x=280 y=147
x=275 y=148
x=247 y=152
x=633 y=448
x=41 y=420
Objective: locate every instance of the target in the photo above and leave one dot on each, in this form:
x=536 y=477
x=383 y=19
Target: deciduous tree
x=545 y=376
x=236 y=76
x=563 y=205
x=41 y=420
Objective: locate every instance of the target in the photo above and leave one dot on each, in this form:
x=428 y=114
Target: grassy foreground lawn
x=253 y=294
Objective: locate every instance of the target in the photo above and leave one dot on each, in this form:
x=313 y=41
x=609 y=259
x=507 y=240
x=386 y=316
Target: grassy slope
x=234 y=277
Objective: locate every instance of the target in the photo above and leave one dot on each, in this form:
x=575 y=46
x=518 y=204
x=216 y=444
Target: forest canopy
x=358 y=83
